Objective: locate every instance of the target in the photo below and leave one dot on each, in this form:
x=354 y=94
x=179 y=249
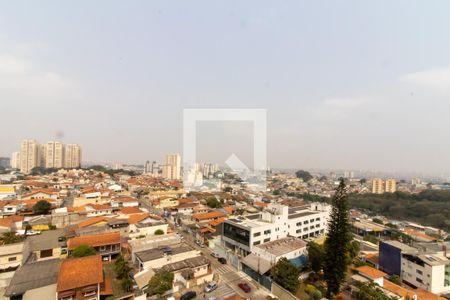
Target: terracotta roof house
x=210 y=216
x=95 y=221
x=130 y=210
x=40 y=194
x=106 y=244
x=82 y=278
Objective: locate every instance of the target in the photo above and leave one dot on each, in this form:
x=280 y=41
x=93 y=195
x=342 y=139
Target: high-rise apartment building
x=54 y=155
x=209 y=170
x=5 y=162
x=147 y=167
x=72 y=156
x=172 y=167
x=15 y=160
x=29 y=156
x=155 y=169
x=390 y=186
x=377 y=186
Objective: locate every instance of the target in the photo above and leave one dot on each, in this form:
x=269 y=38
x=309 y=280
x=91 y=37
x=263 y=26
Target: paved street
x=227 y=277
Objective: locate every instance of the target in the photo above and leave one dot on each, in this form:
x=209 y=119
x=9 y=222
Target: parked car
x=222 y=260
x=210 y=287
x=245 y=287
x=215 y=255
x=189 y=295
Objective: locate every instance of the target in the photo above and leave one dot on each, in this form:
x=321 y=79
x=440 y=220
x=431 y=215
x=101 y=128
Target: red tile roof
x=209 y=215
x=94 y=240
x=130 y=210
x=92 y=221
x=80 y=272
x=370 y=272
x=214 y=223
x=136 y=218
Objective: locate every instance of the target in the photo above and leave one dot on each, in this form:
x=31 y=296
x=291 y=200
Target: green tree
x=228 y=189
x=160 y=283
x=127 y=284
x=395 y=279
x=370 y=291
x=337 y=244
x=42 y=207
x=286 y=274
x=213 y=202
x=83 y=250
x=355 y=247
x=304 y=175
x=121 y=267
x=159 y=232
x=316 y=255
x=11 y=238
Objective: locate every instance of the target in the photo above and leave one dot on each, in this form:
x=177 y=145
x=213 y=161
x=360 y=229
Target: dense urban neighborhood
x=113 y=233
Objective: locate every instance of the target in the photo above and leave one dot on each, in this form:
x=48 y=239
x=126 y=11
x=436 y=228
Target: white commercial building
x=273 y=223
x=430 y=272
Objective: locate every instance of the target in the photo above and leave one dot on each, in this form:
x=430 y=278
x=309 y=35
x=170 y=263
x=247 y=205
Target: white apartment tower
x=72 y=156
x=15 y=160
x=54 y=155
x=172 y=167
x=29 y=155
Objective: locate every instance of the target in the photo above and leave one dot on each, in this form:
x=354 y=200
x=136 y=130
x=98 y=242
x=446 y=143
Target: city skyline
x=377 y=93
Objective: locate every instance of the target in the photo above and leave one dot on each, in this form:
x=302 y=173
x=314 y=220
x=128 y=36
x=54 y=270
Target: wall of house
x=10 y=260
x=45 y=292
x=438 y=280
x=158 y=263
x=274 y=259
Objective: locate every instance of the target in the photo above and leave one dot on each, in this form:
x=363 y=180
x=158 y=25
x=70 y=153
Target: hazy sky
x=346 y=84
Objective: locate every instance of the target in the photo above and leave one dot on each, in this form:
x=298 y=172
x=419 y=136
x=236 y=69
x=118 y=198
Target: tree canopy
x=159 y=232
x=337 y=243
x=316 y=255
x=286 y=274
x=160 y=283
x=42 y=207
x=83 y=251
x=213 y=202
x=371 y=292
x=11 y=238
x=305 y=175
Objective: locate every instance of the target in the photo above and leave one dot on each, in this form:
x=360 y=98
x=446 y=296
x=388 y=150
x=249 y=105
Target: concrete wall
x=281 y=293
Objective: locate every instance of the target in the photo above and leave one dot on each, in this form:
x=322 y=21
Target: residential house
x=49 y=244
x=11 y=223
x=190 y=272
x=41 y=194
x=36 y=280
x=161 y=256
x=107 y=245
x=11 y=256
x=82 y=278
x=124 y=201
x=210 y=216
